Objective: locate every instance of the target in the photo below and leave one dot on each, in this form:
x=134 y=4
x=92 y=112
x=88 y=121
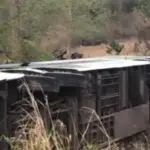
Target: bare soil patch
x=94 y=51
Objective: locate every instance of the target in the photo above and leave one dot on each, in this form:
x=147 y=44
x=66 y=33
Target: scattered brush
x=32 y=133
x=115 y=47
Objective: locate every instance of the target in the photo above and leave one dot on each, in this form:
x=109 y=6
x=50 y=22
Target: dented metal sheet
x=85 y=64
x=10 y=76
x=94 y=59
x=38 y=83
x=32 y=70
x=93 y=65
x=25 y=70
x=131 y=121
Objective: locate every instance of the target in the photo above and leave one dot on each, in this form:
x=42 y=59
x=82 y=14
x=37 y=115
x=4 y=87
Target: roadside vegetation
x=32 y=133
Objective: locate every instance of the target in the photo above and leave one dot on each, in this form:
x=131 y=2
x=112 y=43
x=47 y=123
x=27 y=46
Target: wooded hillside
x=31 y=29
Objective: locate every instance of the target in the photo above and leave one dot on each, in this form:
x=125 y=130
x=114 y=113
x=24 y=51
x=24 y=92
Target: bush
x=115 y=47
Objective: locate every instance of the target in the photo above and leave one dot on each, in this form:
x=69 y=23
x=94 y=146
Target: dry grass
x=33 y=135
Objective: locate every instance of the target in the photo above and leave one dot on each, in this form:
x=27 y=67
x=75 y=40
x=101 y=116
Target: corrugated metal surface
x=10 y=76
x=94 y=65
x=31 y=70
x=106 y=58
x=87 y=64
x=34 y=70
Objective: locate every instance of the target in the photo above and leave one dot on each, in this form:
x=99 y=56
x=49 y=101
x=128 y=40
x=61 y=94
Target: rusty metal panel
x=87 y=103
x=39 y=83
x=25 y=71
x=108 y=92
x=124 y=88
x=68 y=79
x=87 y=106
x=143 y=84
x=142 y=81
x=131 y=121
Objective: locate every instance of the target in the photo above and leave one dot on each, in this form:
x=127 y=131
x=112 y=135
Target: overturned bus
x=99 y=99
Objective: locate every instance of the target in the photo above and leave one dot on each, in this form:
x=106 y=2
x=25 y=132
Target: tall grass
x=32 y=133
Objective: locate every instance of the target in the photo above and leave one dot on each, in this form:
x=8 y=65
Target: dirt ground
x=95 y=51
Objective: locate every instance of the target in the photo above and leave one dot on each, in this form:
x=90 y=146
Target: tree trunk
x=69 y=43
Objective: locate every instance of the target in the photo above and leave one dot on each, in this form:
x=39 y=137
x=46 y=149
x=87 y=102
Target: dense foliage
x=25 y=23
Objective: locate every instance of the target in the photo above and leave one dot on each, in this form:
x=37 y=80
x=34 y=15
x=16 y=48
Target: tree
x=86 y=20
x=143 y=6
x=19 y=28
x=29 y=20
